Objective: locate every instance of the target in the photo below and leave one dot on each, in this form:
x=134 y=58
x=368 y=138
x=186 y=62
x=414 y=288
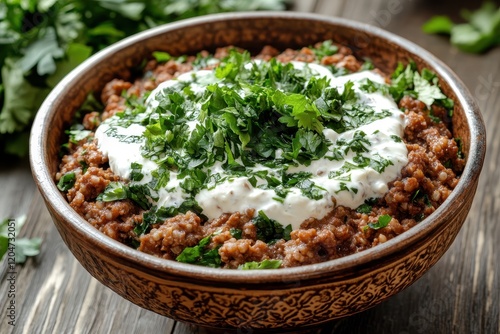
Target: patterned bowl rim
x=39 y=161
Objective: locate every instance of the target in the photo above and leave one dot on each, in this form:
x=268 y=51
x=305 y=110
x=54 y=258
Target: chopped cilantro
x=201 y=254
x=269 y=230
x=76 y=135
x=141 y=229
x=140 y=195
x=379 y=164
x=67 y=181
x=364 y=208
x=370 y=86
x=382 y=222
x=367 y=65
x=135 y=174
x=114 y=191
x=434 y=118
x=236 y=233
x=421 y=197
x=160 y=214
x=426 y=92
x=326 y=48
x=161 y=57
x=420 y=86
x=265 y=264
x=84 y=165
x=415 y=195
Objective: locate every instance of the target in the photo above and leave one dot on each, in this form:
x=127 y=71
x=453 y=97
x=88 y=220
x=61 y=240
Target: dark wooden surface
x=460 y=294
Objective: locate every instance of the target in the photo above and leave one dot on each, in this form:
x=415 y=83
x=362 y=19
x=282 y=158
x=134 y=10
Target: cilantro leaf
x=21 y=98
x=76 y=135
x=469 y=39
x=67 y=181
x=75 y=54
x=364 y=208
x=139 y=193
x=42 y=54
x=269 y=230
x=160 y=214
x=426 y=92
x=161 y=57
x=382 y=222
x=9 y=240
x=201 y=254
x=265 y=264
x=114 y=191
x=480 y=33
x=136 y=174
x=236 y=233
x=27 y=247
x=438 y=25
x=423 y=87
x=326 y=48
x=303 y=111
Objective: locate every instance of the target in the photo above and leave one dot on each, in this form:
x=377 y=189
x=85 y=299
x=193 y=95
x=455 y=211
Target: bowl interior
x=250 y=31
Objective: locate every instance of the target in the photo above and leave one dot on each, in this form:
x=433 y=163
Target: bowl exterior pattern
x=295 y=304
x=327 y=291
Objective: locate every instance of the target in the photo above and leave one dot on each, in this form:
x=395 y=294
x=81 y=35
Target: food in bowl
x=277 y=160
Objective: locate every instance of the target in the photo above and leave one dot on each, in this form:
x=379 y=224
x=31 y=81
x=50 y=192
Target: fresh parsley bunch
x=42 y=40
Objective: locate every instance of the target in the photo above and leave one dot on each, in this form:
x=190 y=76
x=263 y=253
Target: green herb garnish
x=326 y=48
x=136 y=172
x=114 y=191
x=201 y=254
x=236 y=233
x=382 y=222
x=424 y=87
x=480 y=32
x=364 y=208
x=67 y=181
x=76 y=135
x=269 y=230
x=265 y=264
x=10 y=241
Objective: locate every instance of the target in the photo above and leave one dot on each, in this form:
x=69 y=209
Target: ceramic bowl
x=267 y=300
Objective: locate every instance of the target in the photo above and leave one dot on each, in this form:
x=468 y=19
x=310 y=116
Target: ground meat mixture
x=427 y=180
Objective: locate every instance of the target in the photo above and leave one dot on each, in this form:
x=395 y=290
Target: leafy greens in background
x=22 y=247
x=42 y=40
x=478 y=34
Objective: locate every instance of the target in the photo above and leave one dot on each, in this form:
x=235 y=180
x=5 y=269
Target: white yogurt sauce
x=238 y=194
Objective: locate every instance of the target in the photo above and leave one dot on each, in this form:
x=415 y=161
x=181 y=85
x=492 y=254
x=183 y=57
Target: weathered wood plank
x=54 y=293
x=460 y=294
x=17 y=187
x=331 y=8
x=304 y=5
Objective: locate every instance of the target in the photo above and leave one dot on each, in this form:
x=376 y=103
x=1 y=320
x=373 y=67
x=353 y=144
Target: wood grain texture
x=460 y=294
x=16 y=187
x=304 y=5
x=54 y=294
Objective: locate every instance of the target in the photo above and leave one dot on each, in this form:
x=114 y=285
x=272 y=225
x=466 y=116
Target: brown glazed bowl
x=267 y=300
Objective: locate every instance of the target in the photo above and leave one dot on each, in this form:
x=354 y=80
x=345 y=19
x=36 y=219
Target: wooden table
x=460 y=294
